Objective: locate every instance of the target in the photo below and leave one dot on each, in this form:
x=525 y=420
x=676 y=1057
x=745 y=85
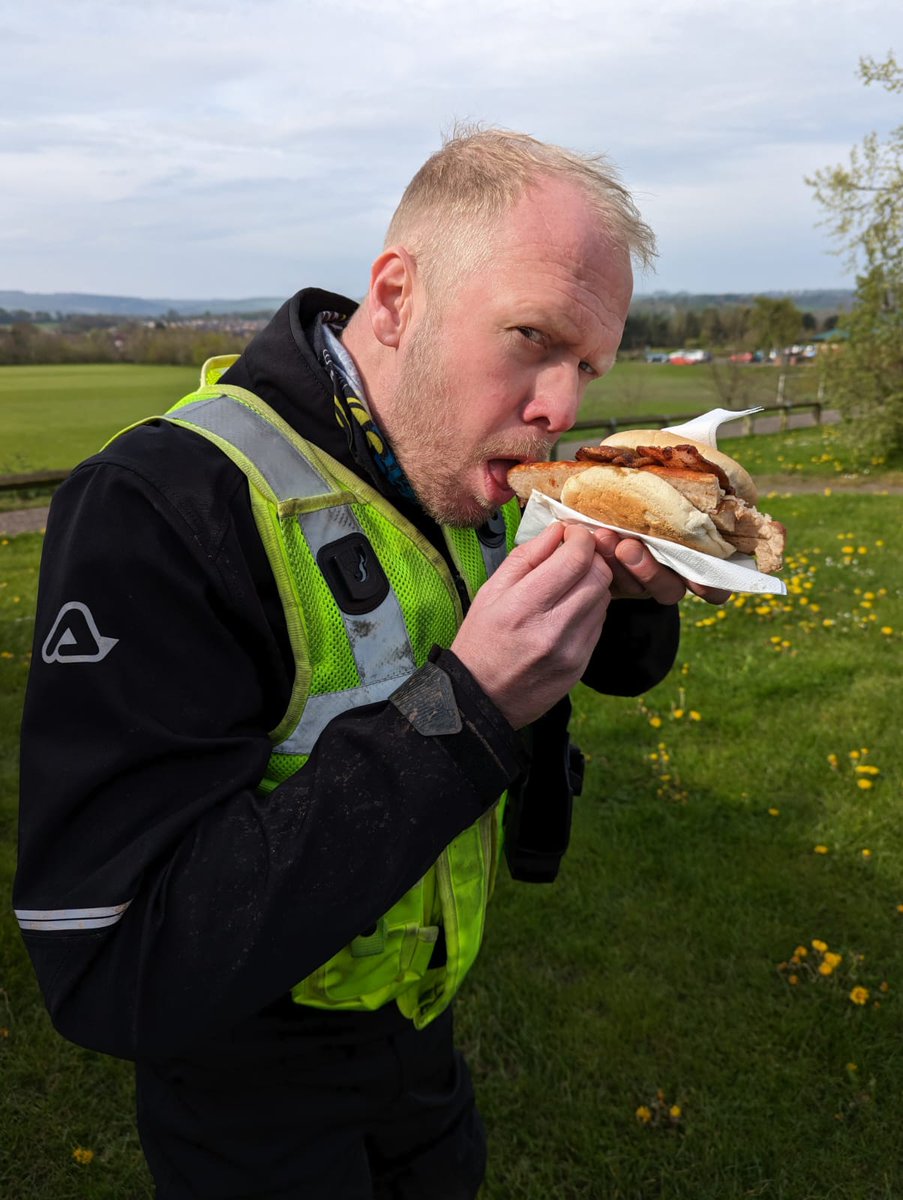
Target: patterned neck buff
x=367 y=444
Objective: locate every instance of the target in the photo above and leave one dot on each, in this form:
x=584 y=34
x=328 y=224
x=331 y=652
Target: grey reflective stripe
x=320 y=710
x=379 y=642
x=379 y=639
x=493 y=556
x=68 y=919
x=287 y=471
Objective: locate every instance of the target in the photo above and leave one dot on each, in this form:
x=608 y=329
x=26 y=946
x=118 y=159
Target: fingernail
x=632 y=553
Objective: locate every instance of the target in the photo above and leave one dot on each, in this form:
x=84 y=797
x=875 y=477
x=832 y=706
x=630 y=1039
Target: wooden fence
x=47 y=480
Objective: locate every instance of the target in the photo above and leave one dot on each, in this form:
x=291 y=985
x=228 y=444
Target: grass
x=53 y=417
x=657 y=972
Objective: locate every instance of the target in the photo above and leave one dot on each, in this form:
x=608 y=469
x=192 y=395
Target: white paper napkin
x=736 y=574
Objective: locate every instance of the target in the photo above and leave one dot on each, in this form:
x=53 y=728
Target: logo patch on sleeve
x=75 y=637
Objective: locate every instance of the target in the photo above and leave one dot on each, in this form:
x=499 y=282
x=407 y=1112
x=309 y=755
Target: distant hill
x=83 y=304
x=813 y=300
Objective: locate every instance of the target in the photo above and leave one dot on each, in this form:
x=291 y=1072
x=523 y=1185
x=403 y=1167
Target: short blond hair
x=449 y=209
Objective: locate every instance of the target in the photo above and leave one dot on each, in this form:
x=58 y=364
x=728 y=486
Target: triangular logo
x=75 y=638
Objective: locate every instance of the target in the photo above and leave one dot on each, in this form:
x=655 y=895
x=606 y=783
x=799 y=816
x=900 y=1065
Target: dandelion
x=884 y=987
x=655 y=722
x=793 y=980
x=833 y=960
x=801 y=952
x=644 y=1114
x=82 y=1155
x=677 y=714
x=865 y=783
x=851 y=1066
x=866 y=853
x=774 y=812
x=833 y=761
x=819 y=945
x=859 y=995
x=694 y=715
x=819 y=849
x=674 y=1112
x=887 y=630
x=825 y=968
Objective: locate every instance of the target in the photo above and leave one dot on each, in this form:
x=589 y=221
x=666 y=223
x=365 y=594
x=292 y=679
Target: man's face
x=496 y=374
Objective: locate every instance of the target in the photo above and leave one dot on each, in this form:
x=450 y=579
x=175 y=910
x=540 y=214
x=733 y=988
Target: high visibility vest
x=310 y=510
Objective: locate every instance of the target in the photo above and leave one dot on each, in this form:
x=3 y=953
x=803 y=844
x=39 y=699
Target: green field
x=646 y=1028
x=53 y=417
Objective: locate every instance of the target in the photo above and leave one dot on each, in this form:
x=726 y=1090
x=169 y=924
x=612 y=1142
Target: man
x=284 y=671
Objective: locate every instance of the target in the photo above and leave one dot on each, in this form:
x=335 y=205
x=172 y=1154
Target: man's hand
x=532 y=628
x=637 y=575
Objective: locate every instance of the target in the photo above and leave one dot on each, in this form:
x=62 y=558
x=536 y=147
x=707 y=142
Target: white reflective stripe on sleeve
x=69 y=919
x=320 y=710
x=379 y=639
x=287 y=471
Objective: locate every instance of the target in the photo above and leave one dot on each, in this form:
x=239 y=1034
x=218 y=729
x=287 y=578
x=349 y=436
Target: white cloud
x=188 y=147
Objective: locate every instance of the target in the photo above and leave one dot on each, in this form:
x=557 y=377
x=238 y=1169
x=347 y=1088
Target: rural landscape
x=707 y=1004
x=714 y=982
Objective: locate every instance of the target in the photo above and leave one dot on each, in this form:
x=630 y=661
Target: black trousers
x=304 y=1105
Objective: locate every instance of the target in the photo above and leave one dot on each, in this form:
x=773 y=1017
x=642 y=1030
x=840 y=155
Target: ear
x=391 y=297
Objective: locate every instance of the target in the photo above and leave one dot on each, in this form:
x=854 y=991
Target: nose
x=555 y=398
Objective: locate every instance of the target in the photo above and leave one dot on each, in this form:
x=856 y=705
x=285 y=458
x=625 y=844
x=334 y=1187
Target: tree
x=863 y=201
x=776 y=323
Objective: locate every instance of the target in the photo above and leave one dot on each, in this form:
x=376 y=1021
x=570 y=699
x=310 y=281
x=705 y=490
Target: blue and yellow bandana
x=365 y=440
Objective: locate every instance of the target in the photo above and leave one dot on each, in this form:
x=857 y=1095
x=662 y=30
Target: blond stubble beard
x=424 y=433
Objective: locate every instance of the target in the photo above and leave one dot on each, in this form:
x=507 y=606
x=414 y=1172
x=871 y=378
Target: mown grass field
x=53 y=417
x=648 y=1028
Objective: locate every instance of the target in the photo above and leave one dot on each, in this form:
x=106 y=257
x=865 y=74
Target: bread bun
x=740 y=479
x=643 y=502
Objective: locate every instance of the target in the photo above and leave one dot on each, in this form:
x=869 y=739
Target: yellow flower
x=694 y=715
x=851 y=1066
x=82 y=1156
x=859 y=995
x=833 y=761
x=820 y=849
x=678 y=713
x=887 y=630
x=655 y=722
x=774 y=812
x=793 y=980
x=674 y=1111
x=865 y=783
x=833 y=960
x=866 y=853
x=825 y=968
x=818 y=945
x=801 y=952
x=644 y=1114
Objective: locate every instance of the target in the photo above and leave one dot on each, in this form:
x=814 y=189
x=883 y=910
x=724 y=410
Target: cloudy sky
x=237 y=148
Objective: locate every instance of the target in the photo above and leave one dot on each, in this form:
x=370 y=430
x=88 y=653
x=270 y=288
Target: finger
x=655 y=580
x=526 y=558
x=709 y=594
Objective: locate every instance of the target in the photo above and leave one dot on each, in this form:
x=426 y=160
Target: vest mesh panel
x=412 y=578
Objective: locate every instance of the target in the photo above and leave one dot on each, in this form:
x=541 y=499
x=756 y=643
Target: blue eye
x=531 y=334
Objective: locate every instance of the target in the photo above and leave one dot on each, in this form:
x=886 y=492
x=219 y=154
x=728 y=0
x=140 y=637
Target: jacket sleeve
x=637 y=648
x=160 y=896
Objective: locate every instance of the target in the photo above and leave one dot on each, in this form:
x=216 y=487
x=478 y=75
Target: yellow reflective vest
x=315 y=518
